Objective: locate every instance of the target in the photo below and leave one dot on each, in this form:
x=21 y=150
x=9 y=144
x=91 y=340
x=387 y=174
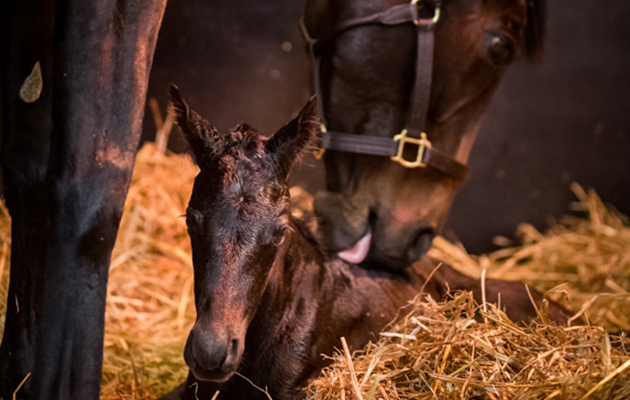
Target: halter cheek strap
x=413 y=135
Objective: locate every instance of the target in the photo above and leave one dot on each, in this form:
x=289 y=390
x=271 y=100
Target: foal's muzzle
x=213 y=355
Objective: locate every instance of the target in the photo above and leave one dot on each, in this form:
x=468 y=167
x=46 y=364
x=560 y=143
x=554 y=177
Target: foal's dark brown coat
x=269 y=301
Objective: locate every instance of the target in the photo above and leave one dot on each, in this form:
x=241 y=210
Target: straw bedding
x=437 y=351
x=440 y=351
x=591 y=255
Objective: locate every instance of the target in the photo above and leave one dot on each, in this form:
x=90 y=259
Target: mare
x=269 y=299
x=71 y=128
x=371 y=75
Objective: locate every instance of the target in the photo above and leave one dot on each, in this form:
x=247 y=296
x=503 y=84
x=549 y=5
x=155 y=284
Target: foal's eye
x=193 y=220
x=500 y=48
x=190 y=224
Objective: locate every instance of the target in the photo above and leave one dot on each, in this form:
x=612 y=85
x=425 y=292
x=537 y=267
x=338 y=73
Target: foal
x=265 y=292
x=269 y=302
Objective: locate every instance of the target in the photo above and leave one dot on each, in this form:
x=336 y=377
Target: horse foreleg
x=68 y=158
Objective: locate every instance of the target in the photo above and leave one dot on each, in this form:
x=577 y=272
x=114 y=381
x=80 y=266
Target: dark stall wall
x=564 y=120
x=567 y=119
x=234 y=61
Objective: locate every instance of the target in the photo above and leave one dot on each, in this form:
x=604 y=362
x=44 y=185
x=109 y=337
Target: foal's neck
x=299 y=258
x=296 y=281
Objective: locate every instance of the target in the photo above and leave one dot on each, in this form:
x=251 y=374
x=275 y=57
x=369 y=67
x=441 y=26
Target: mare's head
x=237 y=218
x=367 y=74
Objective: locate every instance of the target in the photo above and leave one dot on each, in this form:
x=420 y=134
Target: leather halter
x=414 y=131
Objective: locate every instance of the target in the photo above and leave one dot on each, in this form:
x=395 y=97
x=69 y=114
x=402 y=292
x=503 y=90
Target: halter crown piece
x=413 y=134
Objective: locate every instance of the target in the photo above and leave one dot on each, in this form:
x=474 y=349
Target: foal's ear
x=295 y=138
x=199 y=133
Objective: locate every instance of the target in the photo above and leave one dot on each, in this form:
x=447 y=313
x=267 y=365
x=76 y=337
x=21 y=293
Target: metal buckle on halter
x=319 y=153
x=436 y=13
x=422 y=144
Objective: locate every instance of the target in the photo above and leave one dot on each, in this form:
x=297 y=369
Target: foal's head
x=367 y=74
x=237 y=218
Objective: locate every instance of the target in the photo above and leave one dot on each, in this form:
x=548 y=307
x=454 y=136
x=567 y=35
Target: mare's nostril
x=420 y=245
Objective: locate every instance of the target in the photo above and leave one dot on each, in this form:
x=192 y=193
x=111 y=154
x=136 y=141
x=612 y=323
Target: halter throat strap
x=413 y=135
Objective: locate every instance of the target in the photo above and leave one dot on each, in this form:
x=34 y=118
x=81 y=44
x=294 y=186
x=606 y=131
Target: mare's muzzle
x=213 y=354
x=394 y=244
x=341 y=223
x=398 y=248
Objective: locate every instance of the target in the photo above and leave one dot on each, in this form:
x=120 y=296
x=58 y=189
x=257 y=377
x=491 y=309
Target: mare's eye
x=278 y=235
x=500 y=49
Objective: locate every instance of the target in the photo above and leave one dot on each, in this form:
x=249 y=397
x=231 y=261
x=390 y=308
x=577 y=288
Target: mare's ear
x=295 y=138
x=199 y=133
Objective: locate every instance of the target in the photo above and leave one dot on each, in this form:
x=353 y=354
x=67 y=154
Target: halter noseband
x=414 y=132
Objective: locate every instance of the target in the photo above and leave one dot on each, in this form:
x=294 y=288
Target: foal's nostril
x=207 y=350
x=232 y=353
x=212 y=355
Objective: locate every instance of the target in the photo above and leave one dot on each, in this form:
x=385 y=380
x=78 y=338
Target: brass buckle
x=436 y=13
x=422 y=144
x=319 y=153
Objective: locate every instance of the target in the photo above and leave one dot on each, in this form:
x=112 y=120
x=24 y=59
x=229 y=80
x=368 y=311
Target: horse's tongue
x=357 y=253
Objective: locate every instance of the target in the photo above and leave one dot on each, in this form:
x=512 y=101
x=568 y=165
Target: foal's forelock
x=244 y=165
x=241 y=145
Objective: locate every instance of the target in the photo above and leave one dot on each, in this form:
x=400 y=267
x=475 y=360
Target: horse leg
x=67 y=161
x=27 y=37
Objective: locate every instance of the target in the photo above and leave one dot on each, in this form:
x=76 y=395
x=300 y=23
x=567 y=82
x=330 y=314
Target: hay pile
x=591 y=254
x=150 y=307
x=439 y=351
x=5 y=254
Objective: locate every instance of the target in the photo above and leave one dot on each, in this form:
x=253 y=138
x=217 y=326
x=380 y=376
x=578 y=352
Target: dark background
x=566 y=119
